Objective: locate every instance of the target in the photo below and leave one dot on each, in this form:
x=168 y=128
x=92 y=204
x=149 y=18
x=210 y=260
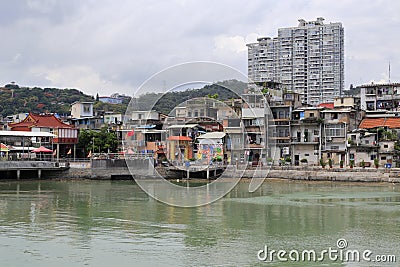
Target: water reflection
x=102 y=223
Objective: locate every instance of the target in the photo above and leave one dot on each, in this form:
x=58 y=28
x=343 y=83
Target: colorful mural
x=210 y=151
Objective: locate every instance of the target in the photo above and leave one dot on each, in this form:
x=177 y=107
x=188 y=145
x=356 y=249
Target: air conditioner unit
x=329 y=139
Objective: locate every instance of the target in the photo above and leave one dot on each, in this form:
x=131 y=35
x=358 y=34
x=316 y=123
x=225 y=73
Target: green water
x=106 y=223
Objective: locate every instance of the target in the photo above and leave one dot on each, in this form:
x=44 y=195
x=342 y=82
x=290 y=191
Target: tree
x=103 y=141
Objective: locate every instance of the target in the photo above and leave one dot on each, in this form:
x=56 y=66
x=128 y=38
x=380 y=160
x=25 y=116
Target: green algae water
x=114 y=223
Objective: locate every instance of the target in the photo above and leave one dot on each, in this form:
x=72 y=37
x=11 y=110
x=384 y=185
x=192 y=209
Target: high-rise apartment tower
x=307 y=59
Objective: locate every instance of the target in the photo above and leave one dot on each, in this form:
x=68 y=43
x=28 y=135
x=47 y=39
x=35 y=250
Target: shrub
x=303 y=160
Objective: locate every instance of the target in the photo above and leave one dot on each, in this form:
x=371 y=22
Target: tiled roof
x=179 y=138
x=36 y=120
x=326 y=105
x=369 y=123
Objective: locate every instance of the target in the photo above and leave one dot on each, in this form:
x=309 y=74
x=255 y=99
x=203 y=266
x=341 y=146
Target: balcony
x=305 y=141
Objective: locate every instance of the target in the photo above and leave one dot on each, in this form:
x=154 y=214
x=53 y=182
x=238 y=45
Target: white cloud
x=80 y=77
x=109 y=46
x=234 y=44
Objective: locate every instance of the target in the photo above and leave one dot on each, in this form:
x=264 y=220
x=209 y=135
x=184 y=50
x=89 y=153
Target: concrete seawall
x=142 y=168
x=355 y=175
x=110 y=169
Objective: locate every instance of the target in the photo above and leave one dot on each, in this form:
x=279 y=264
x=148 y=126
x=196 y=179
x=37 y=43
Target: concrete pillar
x=18 y=174
x=187 y=174
x=208 y=172
x=39 y=173
x=58 y=152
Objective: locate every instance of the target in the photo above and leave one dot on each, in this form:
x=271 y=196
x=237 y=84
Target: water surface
x=114 y=223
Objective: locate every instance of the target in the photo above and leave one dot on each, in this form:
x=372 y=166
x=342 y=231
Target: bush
x=376 y=162
x=322 y=162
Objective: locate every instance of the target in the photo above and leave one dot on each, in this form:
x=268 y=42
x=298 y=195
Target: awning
x=3 y=148
x=183 y=126
x=26 y=134
x=42 y=149
x=212 y=135
x=146 y=126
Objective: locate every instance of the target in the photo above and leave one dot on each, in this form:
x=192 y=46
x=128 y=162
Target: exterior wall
x=110 y=100
x=81 y=110
x=305 y=151
x=145 y=115
x=112 y=118
x=380 y=96
x=341 y=102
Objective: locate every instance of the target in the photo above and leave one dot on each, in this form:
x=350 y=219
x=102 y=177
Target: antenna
x=389 y=71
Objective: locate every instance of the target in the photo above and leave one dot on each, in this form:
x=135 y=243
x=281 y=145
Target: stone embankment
x=110 y=169
x=334 y=174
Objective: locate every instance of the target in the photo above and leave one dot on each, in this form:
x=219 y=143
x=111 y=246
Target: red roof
x=369 y=123
x=179 y=138
x=326 y=105
x=36 y=120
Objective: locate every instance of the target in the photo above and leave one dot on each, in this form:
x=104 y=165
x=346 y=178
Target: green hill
x=15 y=99
x=165 y=102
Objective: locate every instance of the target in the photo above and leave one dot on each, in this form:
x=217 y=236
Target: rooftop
x=391 y=122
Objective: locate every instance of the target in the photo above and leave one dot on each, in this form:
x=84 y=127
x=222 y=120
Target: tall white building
x=308 y=59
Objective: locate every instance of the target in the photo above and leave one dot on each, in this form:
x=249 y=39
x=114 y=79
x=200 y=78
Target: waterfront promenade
x=112 y=169
x=31 y=169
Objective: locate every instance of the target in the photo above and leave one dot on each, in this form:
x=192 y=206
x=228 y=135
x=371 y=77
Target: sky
x=102 y=46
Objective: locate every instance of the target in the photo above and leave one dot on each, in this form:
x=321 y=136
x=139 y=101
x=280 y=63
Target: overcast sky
x=101 y=46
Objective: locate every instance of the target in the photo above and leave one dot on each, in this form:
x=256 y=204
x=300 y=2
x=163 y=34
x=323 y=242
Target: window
x=385 y=146
x=373 y=157
x=316 y=132
x=311 y=115
x=383 y=158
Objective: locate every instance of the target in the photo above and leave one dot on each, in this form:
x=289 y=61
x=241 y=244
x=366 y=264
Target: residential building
x=254 y=119
x=81 y=110
x=110 y=100
x=306 y=132
x=282 y=111
x=378 y=99
x=386 y=131
x=308 y=59
x=66 y=134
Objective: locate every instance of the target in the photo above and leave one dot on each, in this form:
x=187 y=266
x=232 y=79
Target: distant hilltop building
x=113 y=99
x=308 y=59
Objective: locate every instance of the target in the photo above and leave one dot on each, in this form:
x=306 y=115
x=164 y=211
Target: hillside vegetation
x=15 y=99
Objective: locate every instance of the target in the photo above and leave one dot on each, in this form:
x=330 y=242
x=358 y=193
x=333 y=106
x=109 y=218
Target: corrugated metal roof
x=183 y=126
x=179 y=138
x=26 y=134
x=212 y=135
